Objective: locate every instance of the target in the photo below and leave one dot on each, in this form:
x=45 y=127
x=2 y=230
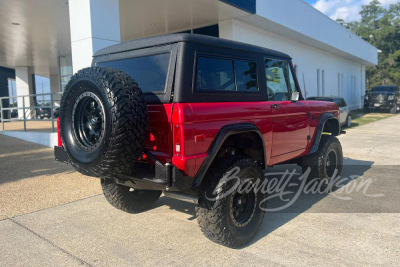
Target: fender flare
x=321 y=124
x=219 y=140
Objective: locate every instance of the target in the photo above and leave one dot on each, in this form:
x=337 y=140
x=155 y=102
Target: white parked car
x=345 y=114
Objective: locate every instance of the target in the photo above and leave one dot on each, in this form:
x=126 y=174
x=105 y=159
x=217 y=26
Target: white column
x=94 y=25
x=23 y=80
x=54 y=83
x=55 y=88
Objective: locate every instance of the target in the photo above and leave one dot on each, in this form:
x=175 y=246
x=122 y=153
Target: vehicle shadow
x=281 y=210
x=309 y=202
x=178 y=205
x=21 y=160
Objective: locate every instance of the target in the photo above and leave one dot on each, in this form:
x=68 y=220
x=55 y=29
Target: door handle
x=275 y=105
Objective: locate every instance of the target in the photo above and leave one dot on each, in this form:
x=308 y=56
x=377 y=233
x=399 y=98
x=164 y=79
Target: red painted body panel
x=285 y=128
x=316 y=109
x=160 y=131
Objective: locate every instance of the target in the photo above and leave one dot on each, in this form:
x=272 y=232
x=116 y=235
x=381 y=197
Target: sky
x=347 y=10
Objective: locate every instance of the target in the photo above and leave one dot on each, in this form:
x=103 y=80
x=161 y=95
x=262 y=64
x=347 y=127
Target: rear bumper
x=145 y=176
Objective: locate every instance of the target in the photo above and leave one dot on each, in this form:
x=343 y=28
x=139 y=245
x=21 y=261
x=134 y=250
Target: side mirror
x=295 y=97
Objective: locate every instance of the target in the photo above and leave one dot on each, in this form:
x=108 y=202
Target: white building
x=53 y=38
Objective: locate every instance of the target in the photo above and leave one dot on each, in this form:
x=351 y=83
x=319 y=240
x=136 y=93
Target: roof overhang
x=141 y=19
x=303 y=23
x=36 y=33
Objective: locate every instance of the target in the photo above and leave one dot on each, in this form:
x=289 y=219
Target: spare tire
x=103 y=121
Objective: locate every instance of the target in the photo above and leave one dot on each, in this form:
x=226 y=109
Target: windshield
x=384 y=89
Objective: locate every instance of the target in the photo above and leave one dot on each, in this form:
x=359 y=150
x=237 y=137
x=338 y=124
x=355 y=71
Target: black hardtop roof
x=186 y=37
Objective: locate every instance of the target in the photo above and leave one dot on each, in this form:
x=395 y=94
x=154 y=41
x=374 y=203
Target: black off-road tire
x=318 y=162
x=215 y=211
x=122 y=121
x=348 y=121
x=128 y=199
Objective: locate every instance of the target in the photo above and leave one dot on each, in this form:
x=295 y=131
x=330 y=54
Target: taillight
x=177 y=140
x=58 y=132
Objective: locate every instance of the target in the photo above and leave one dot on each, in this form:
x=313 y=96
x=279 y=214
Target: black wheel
x=103 y=121
x=327 y=162
x=348 y=121
x=227 y=214
x=128 y=199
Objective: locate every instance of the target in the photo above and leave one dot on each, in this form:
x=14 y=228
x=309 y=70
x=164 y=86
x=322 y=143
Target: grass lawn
x=360 y=118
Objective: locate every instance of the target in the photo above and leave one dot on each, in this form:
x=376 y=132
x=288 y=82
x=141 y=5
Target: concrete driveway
x=76 y=226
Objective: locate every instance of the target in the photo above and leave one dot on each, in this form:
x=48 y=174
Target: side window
x=246 y=76
x=280 y=80
x=216 y=74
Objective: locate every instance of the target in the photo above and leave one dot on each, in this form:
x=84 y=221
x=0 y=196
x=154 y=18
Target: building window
x=318 y=82
x=353 y=89
x=323 y=82
x=12 y=91
x=340 y=84
x=212 y=30
x=65 y=63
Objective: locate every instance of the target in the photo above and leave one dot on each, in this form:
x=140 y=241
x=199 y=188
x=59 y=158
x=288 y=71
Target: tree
x=371 y=13
x=343 y=23
x=381 y=28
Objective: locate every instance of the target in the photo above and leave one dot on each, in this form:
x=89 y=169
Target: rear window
x=150 y=72
x=216 y=74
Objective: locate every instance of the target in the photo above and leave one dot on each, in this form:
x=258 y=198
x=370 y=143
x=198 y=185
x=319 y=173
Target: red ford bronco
x=178 y=114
